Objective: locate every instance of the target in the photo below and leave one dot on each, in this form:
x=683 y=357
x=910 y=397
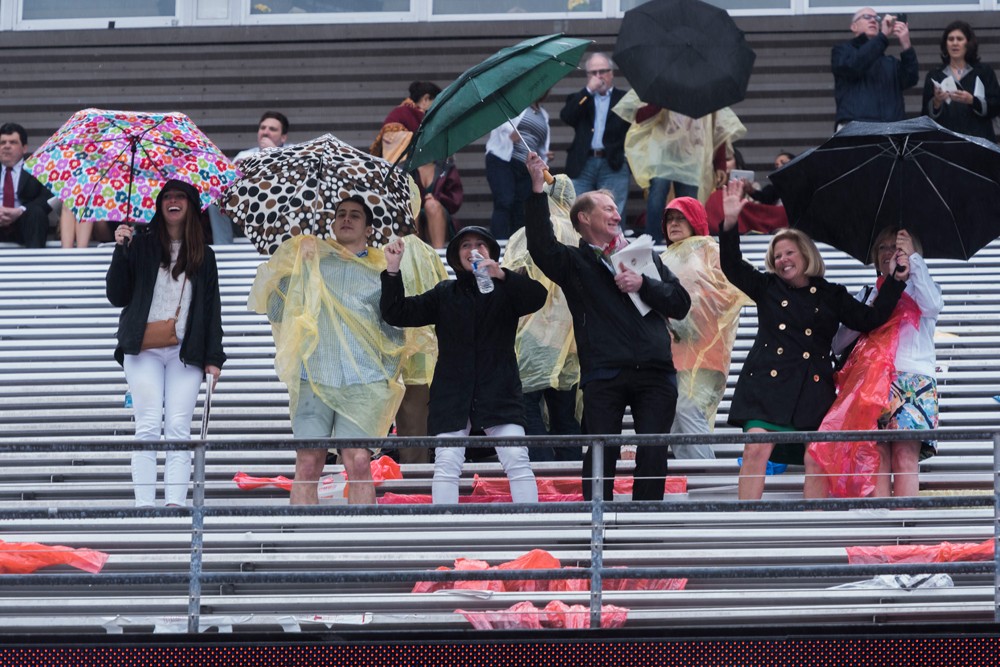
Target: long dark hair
x=971 y=46
x=192 y=252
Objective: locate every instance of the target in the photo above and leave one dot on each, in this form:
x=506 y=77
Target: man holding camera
x=868 y=84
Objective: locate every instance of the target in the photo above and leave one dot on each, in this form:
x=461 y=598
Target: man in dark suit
x=24 y=213
x=596 y=159
x=625 y=356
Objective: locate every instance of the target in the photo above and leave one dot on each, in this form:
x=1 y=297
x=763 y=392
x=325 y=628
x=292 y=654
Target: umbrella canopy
x=941 y=185
x=110 y=165
x=684 y=55
x=293 y=190
x=494 y=91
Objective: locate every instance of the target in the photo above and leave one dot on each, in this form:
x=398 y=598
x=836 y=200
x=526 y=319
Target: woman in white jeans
x=476 y=383
x=166 y=273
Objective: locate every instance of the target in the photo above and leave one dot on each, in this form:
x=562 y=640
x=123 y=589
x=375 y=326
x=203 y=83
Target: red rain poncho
x=26 y=557
x=382 y=468
x=862 y=391
x=945 y=552
x=556 y=614
x=539 y=559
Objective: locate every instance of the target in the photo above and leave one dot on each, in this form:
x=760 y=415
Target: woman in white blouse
x=166 y=273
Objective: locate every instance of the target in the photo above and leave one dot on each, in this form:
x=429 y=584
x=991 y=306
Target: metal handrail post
x=596 y=530
x=197 y=539
x=996 y=527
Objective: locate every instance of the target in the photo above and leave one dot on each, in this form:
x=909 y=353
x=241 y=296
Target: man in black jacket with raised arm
x=625 y=356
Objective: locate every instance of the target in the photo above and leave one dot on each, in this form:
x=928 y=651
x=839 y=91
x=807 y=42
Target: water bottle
x=483 y=280
x=128 y=399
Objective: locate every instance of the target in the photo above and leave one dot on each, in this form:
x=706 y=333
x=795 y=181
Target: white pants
x=164 y=392
x=448 y=466
x=689 y=418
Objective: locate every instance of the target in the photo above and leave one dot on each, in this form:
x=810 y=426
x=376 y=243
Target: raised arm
x=550 y=256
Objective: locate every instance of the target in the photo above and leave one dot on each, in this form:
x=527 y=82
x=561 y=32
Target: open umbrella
x=941 y=185
x=110 y=165
x=684 y=55
x=293 y=190
x=494 y=91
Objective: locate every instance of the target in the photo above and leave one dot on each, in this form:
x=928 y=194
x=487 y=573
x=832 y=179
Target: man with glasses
x=596 y=159
x=868 y=84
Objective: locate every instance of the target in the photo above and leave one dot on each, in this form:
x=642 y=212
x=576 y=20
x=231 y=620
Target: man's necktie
x=8 y=188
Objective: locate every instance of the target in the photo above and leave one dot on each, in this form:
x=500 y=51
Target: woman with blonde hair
x=786 y=383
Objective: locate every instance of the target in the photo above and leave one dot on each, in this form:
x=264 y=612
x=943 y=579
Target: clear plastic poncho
x=702 y=342
x=676 y=147
x=323 y=304
x=545 y=346
x=422 y=269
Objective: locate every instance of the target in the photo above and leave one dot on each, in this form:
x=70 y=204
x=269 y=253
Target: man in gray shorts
x=340 y=361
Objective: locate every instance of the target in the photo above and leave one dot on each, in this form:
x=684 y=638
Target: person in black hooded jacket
x=166 y=272
x=476 y=383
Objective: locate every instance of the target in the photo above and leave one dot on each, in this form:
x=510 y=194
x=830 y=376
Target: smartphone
x=901 y=18
x=741 y=174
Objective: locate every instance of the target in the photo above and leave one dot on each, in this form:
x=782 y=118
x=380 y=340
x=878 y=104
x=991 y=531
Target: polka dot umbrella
x=293 y=190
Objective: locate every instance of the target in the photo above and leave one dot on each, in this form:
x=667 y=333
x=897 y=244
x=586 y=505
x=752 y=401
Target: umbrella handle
x=549 y=178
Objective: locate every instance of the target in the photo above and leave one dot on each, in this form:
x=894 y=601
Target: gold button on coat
x=815 y=378
x=784 y=303
x=781 y=326
x=805 y=355
x=809 y=332
x=812 y=290
x=774 y=373
x=781 y=350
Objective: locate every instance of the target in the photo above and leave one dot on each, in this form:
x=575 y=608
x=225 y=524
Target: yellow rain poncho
x=673 y=146
x=422 y=269
x=323 y=304
x=546 y=349
x=703 y=341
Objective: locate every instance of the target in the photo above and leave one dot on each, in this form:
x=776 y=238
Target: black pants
x=652 y=394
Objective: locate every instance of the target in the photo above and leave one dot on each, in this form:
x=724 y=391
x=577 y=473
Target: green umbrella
x=494 y=91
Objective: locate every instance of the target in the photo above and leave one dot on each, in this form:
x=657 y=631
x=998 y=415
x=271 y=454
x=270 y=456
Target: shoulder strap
x=180 y=300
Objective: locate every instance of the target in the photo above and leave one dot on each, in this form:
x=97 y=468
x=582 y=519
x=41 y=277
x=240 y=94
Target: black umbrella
x=684 y=55
x=941 y=185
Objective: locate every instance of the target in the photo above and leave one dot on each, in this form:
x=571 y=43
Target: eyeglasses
x=868 y=17
x=598 y=72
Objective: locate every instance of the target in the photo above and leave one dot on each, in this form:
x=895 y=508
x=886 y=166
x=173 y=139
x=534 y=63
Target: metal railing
x=195 y=578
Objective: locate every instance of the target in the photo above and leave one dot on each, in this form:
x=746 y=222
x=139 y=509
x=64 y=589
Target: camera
x=901 y=18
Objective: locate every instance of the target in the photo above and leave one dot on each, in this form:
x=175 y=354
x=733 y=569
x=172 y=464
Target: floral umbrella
x=285 y=192
x=110 y=165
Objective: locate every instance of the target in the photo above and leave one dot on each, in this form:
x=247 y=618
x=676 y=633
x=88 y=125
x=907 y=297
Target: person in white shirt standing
x=912 y=400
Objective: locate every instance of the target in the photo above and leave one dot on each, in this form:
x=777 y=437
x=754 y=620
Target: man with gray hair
x=868 y=84
x=596 y=158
